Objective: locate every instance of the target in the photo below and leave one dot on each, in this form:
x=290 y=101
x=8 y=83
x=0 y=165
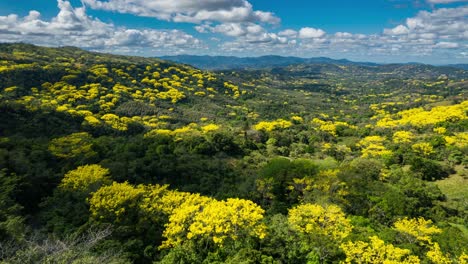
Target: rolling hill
x=120 y=159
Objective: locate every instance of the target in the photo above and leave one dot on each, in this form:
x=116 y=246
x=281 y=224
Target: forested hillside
x=118 y=159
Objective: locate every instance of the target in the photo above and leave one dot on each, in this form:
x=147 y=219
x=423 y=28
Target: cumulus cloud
x=72 y=26
x=232 y=29
x=264 y=44
x=441 y=31
x=288 y=33
x=244 y=33
x=447 y=45
x=444 y=23
x=309 y=32
x=398 y=30
x=425 y=34
x=188 y=10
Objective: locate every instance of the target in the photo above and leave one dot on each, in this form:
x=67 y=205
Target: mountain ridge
x=208 y=62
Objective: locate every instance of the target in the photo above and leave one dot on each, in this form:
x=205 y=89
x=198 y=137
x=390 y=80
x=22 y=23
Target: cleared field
x=455 y=188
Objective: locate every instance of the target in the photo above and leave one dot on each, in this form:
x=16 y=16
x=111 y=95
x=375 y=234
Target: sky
x=386 y=31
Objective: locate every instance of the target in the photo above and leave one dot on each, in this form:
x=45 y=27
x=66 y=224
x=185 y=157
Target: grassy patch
x=455 y=188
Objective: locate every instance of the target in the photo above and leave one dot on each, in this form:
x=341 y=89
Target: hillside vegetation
x=118 y=159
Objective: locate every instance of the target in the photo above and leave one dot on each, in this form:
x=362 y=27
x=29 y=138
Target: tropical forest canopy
x=117 y=159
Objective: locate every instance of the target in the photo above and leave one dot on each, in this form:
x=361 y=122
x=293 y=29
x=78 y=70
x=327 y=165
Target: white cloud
x=309 y=32
x=288 y=33
x=188 y=10
x=445 y=23
x=441 y=31
x=398 y=30
x=267 y=17
x=264 y=44
x=244 y=33
x=231 y=29
x=447 y=45
x=343 y=35
x=72 y=26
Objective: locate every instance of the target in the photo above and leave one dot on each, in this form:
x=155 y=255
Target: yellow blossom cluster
x=230 y=219
x=458 y=139
x=233 y=88
x=314 y=219
x=86 y=178
x=372 y=146
x=377 y=252
x=423 y=148
x=403 y=137
x=98 y=96
x=192 y=129
x=273 y=125
x=72 y=145
x=440 y=130
x=418 y=117
x=330 y=126
x=297 y=119
x=418 y=228
x=210 y=128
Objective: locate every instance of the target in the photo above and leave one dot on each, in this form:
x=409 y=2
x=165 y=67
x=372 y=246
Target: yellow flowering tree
x=68 y=207
x=230 y=219
x=423 y=148
x=421 y=230
x=440 y=130
x=204 y=219
x=312 y=219
x=116 y=203
x=273 y=125
x=416 y=229
x=115 y=121
x=72 y=146
x=86 y=178
x=402 y=137
x=373 y=146
x=437 y=256
x=325 y=185
x=181 y=218
x=458 y=140
x=377 y=252
x=152 y=203
x=418 y=117
x=330 y=127
x=297 y=119
x=321 y=229
x=463 y=259
x=210 y=128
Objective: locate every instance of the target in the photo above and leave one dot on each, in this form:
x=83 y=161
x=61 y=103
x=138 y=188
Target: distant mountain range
x=459 y=66
x=231 y=62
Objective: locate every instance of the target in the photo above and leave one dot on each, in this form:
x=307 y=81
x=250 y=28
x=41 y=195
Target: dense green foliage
x=119 y=159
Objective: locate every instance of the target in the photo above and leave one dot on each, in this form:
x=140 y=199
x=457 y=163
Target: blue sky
x=428 y=31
